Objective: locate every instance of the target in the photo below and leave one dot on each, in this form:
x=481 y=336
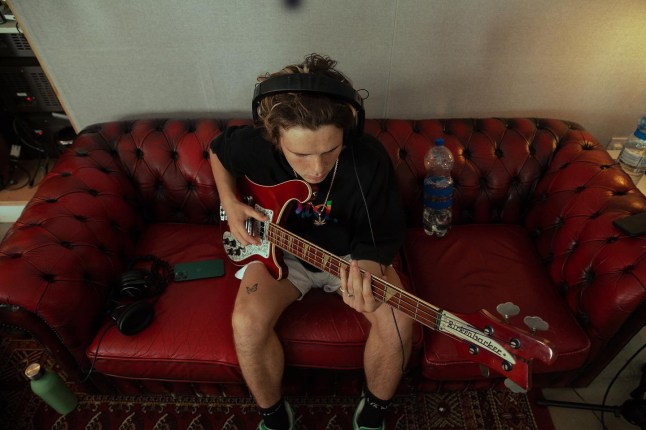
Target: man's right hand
x=237 y=215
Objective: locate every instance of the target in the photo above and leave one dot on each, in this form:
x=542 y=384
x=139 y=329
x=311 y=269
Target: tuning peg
x=484 y=371
x=514 y=387
x=507 y=310
x=536 y=324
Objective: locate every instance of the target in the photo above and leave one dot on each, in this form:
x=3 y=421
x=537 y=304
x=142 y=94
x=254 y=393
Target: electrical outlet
x=616 y=143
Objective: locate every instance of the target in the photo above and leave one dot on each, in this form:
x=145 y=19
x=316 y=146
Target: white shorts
x=304 y=280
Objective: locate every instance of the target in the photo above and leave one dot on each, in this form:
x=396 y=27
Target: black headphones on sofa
x=139 y=284
x=310 y=83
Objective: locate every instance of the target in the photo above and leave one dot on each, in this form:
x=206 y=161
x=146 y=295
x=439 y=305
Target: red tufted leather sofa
x=534 y=205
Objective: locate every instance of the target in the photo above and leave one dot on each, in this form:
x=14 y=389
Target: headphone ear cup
x=133 y=283
x=133 y=318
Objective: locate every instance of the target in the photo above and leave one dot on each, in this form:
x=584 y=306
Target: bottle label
x=438 y=198
x=633 y=158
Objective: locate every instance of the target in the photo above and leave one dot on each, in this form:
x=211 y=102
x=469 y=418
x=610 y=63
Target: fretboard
x=396 y=297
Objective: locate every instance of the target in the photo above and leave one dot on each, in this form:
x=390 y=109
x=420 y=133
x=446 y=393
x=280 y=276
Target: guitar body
x=275 y=202
x=495 y=344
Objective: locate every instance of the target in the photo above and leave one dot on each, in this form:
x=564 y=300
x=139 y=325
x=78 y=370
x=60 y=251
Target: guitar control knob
x=515 y=343
x=507 y=366
x=473 y=350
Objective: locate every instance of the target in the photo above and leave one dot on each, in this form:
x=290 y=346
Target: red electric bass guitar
x=482 y=337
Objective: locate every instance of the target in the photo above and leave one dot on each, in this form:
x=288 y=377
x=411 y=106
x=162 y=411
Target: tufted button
x=619 y=193
x=66 y=244
x=51 y=200
x=612 y=239
x=174 y=155
x=498 y=152
x=564 y=287
x=564 y=166
x=93 y=192
x=139 y=153
x=80 y=218
x=81 y=153
x=15 y=255
x=416 y=127
x=532 y=151
x=190 y=186
x=48 y=277
x=104 y=169
x=466 y=154
x=65 y=174
x=579 y=189
x=191 y=127
x=402 y=153
x=589 y=275
x=205 y=154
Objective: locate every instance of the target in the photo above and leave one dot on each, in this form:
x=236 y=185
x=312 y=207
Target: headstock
x=501 y=347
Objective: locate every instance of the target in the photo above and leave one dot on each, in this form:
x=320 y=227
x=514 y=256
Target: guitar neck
x=384 y=291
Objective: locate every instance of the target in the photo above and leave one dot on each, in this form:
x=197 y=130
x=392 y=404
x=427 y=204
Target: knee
x=392 y=324
x=249 y=327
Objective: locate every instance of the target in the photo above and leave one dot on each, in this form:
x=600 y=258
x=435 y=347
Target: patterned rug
x=468 y=410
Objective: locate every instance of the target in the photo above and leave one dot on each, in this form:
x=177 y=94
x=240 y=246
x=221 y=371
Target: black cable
x=605 y=396
x=381 y=267
x=96 y=352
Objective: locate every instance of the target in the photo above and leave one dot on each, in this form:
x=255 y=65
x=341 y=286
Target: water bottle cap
x=34 y=371
x=439 y=141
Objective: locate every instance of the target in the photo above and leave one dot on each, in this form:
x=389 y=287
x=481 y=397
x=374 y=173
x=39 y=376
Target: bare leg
x=259 y=303
x=388 y=346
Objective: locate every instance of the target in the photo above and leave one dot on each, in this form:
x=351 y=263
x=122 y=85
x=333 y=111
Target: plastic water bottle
x=438 y=190
x=50 y=387
x=632 y=157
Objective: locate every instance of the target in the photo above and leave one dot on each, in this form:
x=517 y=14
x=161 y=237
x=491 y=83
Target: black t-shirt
x=347 y=231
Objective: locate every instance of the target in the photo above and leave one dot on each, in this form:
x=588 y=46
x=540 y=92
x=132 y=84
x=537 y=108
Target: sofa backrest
x=498 y=163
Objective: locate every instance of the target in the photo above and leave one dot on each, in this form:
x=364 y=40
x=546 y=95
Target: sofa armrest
x=599 y=270
x=61 y=258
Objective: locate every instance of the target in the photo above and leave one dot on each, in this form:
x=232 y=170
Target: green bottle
x=50 y=387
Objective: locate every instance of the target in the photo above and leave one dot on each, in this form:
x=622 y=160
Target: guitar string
x=288 y=241
x=314 y=257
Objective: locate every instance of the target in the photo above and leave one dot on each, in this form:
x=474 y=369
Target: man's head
x=277 y=113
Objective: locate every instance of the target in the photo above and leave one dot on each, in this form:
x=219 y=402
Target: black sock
x=275 y=417
x=373 y=411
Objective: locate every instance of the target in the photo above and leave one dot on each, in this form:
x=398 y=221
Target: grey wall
x=582 y=60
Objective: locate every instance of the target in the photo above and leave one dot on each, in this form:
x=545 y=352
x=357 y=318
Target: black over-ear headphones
x=139 y=284
x=310 y=83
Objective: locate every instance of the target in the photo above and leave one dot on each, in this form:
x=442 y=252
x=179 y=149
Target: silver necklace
x=319 y=221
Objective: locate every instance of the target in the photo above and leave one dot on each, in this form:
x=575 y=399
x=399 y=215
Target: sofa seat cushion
x=190 y=338
x=479 y=266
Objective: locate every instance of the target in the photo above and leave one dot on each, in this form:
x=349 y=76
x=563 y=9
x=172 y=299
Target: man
x=355 y=213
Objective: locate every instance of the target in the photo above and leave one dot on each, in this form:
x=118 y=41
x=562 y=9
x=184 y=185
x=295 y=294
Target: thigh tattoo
x=252 y=289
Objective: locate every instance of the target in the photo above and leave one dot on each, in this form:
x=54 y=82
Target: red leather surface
x=190 y=338
x=477 y=267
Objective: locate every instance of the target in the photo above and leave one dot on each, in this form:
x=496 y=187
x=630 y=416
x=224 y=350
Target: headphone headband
x=309 y=83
